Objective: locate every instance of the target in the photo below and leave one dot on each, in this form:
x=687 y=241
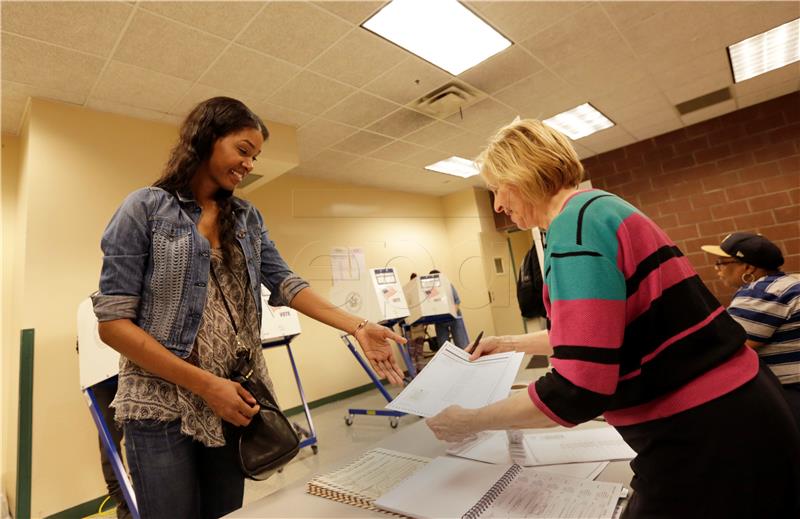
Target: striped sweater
x=636 y=335
x=769 y=311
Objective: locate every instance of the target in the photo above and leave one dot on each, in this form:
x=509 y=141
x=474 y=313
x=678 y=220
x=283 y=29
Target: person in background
x=416 y=343
x=180 y=297
x=766 y=304
x=635 y=336
x=104 y=393
x=454 y=329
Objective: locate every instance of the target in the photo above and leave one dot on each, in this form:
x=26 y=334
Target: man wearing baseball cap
x=766 y=304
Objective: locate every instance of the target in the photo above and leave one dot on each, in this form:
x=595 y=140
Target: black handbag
x=269 y=441
x=529 y=286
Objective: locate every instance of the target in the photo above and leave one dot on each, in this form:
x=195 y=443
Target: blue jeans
x=455 y=328
x=176 y=477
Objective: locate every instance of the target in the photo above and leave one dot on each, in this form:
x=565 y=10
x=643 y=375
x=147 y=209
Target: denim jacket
x=156 y=265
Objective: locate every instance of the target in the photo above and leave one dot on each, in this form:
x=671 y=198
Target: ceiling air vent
x=447 y=99
x=703 y=101
x=249 y=179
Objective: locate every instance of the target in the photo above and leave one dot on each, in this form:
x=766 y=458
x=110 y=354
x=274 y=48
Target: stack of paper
x=450 y=378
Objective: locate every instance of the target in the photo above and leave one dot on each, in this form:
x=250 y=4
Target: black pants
x=735 y=457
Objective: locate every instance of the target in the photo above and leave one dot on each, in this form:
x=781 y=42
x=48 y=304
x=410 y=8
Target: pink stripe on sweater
x=588 y=322
x=683 y=334
x=738 y=370
x=668 y=274
x=600 y=378
x=642 y=237
x=543 y=407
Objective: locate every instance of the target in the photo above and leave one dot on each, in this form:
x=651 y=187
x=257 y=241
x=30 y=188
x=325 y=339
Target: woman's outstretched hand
x=375 y=341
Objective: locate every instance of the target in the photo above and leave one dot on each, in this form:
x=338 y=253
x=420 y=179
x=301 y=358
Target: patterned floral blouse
x=144 y=396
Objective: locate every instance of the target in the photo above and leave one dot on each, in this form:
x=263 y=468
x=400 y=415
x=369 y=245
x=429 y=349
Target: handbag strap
x=225 y=301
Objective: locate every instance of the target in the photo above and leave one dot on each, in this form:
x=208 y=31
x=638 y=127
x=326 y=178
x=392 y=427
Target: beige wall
x=76 y=165
x=9 y=185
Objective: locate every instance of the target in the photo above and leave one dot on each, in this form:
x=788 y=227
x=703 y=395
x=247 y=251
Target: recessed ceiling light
x=766 y=51
x=455 y=166
x=579 y=122
x=443 y=32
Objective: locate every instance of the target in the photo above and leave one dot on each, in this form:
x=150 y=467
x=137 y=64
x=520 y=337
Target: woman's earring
x=745 y=277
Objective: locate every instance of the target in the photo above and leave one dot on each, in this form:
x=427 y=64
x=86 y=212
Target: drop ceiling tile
x=169 y=47
x=699 y=86
x=425 y=158
x=433 y=134
x=483 y=117
x=329 y=161
x=282 y=115
x=362 y=143
x=467 y=146
x=358 y=58
x=310 y=93
x=551 y=105
x=318 y=134
x=579 y=34
x=501 y=70
x=518 y=20
x=409 y=80
x=354 y=12
x=46 y=66
x=91 y=27
x=644 y=107
x=198 y=93
x=709 y=112
x=624 y=14
x=606 y=140
x=684 y=25
x=771 y=92
x=115 y=107
x=625 y=95
x=360 y=109
x=677 y=68
x=400 y=123
x=296 y=32
x=582 y=151
x=397 y=151
x=737 y=21
x=527 y=93
x=646 y=127
x=224 y=19
x=242 y=70
x=135 y=86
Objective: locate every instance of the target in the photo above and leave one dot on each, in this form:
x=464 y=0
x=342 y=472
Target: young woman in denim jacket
x=173 y=255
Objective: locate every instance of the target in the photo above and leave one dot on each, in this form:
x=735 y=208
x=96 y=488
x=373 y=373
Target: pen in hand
x=471 y=349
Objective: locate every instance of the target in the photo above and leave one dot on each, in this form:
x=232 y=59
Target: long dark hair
x=210 y=120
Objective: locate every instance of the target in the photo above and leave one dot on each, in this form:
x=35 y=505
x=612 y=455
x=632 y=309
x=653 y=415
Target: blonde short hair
x=536 y=159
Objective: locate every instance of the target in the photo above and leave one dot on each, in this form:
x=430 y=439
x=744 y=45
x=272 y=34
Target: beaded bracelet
x=360 y=325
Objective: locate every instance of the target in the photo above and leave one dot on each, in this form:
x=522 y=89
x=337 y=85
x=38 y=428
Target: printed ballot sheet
x=494 y=447
x=603 y=443
x=450 y=378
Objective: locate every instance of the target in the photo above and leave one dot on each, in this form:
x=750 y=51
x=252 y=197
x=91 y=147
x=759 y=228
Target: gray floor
x=337 y=440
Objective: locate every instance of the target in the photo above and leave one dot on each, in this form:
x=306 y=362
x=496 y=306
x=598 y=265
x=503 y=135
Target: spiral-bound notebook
x=455 y=487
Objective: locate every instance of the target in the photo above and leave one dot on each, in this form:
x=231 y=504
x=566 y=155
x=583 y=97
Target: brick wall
x=738 y=172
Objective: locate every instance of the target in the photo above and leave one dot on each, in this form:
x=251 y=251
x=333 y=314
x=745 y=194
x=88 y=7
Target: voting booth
x=430 y=299
x=278 y=323
x=377 y=296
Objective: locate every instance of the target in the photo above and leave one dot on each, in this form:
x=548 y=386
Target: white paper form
x=493 y=447
x=450 y=378
x=534 y=493
x=602 y=443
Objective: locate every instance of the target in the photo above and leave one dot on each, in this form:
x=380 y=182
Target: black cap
x=749 y=248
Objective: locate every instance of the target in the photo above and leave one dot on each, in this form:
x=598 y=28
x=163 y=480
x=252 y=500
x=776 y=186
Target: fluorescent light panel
x=579 y=122
x=455 y=166
x=766 y=51
x=443 y=32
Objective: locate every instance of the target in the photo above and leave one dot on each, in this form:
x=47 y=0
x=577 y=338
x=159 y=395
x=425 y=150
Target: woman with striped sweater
x=636 y=337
